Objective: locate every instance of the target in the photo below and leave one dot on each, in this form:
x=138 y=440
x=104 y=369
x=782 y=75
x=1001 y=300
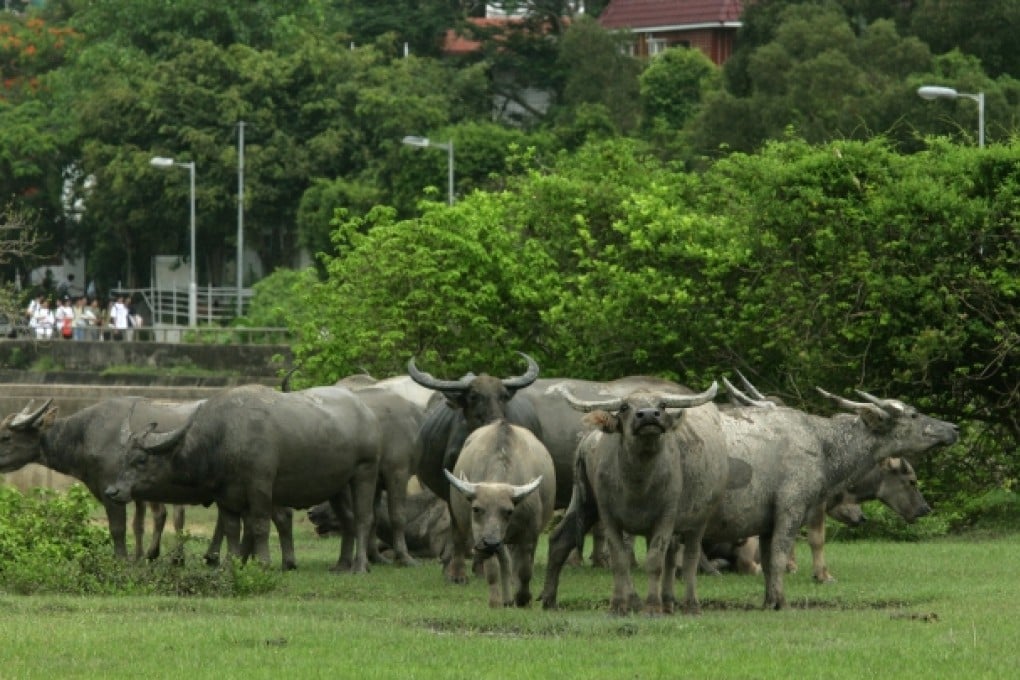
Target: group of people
x=82 y=319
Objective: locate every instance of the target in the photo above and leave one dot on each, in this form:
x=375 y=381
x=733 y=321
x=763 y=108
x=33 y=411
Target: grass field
x=942 y=609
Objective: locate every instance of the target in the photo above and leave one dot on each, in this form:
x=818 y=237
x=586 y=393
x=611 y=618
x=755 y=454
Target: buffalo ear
x=602 y=420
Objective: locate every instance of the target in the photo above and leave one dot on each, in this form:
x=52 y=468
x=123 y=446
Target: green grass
x=937 y=609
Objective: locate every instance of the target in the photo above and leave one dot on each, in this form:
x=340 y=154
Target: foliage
x=50 y=543
x=845 y=265
x=885 y=525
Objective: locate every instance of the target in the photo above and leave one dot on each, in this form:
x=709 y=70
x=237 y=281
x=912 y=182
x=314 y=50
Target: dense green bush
x=50 y=543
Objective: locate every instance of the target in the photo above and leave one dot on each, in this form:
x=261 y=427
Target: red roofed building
x=709 y=25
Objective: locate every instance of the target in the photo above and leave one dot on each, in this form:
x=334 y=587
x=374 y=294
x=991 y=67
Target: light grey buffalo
x=655 y=466
x=503 y=489
x=893 y=482
x=88 y=445
x=251 y=447
x=798 y=460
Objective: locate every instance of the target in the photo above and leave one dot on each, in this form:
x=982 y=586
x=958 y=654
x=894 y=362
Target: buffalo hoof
x=379 y=558
x=824 y=577
x=522 y=599
x=211 y=559
x=548 y=602
x=692 y=609
x=406 y=561
x=289 y=565
x=152 y=554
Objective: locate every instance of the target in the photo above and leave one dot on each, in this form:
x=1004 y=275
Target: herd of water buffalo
x=493 y=458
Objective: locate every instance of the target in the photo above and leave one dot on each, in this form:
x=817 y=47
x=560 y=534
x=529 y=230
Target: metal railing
x=166 y=317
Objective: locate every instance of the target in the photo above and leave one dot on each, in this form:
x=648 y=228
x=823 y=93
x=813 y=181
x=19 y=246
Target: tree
x=983 y=29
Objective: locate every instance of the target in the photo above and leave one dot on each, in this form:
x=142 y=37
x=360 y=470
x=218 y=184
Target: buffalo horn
x=691 y=400
x=522 y=381
x=158 y=442
x=27 y=417
x=743 y=398
x=610 y=404
x=426 y=380
x=890 y=406
x=463 y=485
x=855 y=406
x=522 y=491
x=751 y=389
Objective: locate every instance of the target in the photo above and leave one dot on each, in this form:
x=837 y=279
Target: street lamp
x=935 y=92
x=162 y=162
x=423 y=142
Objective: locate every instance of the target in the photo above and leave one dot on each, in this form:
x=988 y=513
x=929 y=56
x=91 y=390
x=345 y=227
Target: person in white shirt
x=43 y=320
x=119 y=316
x=89 y=321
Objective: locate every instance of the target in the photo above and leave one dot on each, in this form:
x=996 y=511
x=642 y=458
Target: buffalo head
x=20 y=435
x=492 y=506
x=482 y=398
x=640 y=414
x=900 y=425
x=898 y=489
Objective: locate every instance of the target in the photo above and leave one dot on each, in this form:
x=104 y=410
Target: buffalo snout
x=116 y=495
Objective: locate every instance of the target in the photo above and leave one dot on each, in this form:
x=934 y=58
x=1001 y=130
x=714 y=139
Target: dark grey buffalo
x=467 y=404
x=251 y=447
x=505 y=490
x=399 y=422
x=88 y=445
x=798 y=460
x=655 y=466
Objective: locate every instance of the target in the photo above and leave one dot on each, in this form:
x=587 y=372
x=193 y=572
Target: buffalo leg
x=692 y=554
x=562 y=541
x=116 y=519
x=396 y=498
x=623 y=588
x=655 y=560
x=456 y=570
x=816 y=539
x=138 y=528
x=158 y=525
x=283 y=520
x=522 y=558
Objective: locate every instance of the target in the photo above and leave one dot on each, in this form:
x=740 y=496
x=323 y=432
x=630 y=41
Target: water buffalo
x=469 y=403
x=648 y=471
x=88 y=445
x=251 y=447
x=892 y=481
x=798 y=460
x=506 y=488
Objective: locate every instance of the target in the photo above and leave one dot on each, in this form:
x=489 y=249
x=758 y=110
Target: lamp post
x=162 y=162
x=935 y=92
x=423 y=142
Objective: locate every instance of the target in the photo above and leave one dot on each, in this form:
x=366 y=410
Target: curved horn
x=426 y=380
x=160 y=442
x=855 y=406
x=691 y=400
x=285 y=385
x=463 y=485
x=610 y=404
x=743 y=398
x=27 y=417
x=524 y=380
x=751 y=389
x=522 y=491
x=890 y=406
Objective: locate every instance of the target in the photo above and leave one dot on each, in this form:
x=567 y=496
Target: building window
x=656 y=46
